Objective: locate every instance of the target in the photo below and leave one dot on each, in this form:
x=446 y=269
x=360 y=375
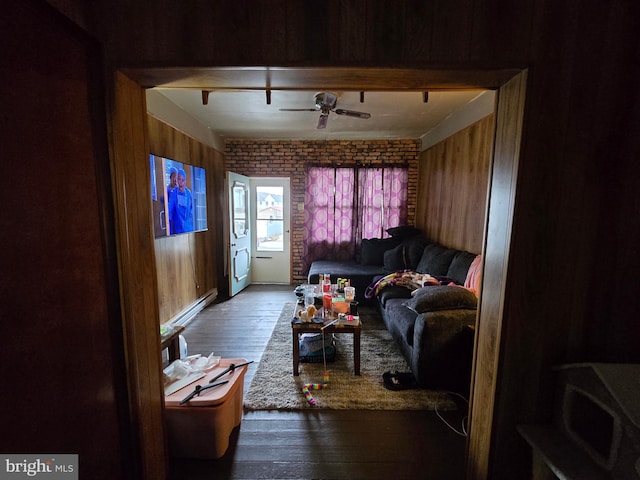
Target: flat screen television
x=178 y=196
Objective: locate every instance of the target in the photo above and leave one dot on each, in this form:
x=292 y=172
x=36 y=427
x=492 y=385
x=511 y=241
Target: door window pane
x=240 y=205
x=269 y=219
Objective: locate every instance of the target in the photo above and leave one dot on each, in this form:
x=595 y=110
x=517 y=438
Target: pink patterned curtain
x=329 y=227
x=382 y=199
x=345 y=205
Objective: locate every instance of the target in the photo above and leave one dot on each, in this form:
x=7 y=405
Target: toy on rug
x=306 y=389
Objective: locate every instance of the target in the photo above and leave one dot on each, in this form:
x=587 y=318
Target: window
x=269 y=219
x=345 y=205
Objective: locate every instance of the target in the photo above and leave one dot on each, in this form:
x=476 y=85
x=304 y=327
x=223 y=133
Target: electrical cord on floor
x=463 y=431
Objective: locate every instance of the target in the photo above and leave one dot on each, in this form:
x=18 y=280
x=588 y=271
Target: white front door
x=270 y=218
x=239 y=232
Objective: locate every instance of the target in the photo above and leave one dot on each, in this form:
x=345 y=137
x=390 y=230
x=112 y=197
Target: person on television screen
x=173 y=180
x=181 y=206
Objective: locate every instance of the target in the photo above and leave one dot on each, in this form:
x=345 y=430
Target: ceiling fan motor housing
x=326 y=100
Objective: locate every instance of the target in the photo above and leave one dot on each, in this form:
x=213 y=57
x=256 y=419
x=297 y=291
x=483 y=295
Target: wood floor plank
x=323 y=444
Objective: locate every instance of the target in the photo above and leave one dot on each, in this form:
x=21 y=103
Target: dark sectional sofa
x=434 y=327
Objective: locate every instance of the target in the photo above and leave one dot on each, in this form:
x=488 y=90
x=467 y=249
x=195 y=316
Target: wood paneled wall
x=189 y=266
x=318 y=32
x=452 y=187
x=63 y=354
x=139 y=304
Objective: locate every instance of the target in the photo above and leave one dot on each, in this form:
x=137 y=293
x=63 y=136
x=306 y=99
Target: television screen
x=178 y=195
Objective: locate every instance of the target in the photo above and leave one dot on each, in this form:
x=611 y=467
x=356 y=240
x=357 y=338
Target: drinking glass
x=309 y=297
x=349 y=293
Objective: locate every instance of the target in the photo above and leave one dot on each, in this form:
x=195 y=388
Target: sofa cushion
x=460 y=266
x=372 y=249
x=393 y=291
x=413 y=250
x=403 y=231
x=394 y=259
x=441 y=297
x=435 y=260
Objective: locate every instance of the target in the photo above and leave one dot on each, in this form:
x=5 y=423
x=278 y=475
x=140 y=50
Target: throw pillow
x=372 y=249
x=403 y=231
x=474 y=275
x=394 y=259
x=413 y=250
x=441 y=297
x=435 y=260
x=460 y=266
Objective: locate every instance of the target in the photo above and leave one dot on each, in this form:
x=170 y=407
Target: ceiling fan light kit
x=325 y=103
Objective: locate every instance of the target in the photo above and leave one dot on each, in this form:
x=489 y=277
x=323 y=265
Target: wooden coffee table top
x=332 y=323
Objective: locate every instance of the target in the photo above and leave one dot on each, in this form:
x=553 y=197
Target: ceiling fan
x=325 y=103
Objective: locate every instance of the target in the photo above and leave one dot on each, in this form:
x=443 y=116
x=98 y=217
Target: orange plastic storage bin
x=201 y=427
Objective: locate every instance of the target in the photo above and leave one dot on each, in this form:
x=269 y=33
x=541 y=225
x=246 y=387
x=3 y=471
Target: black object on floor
x=398 y=380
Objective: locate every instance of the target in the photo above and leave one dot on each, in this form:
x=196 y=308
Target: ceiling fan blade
x=298 y=109
x=352 y=113
x=322 y=121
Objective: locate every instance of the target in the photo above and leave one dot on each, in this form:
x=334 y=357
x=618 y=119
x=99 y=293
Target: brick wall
x=289 y=158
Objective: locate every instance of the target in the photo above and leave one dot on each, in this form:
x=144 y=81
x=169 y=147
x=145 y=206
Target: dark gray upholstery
x=403 y=231
x=436 y=260
x=460 y=266
x=413 y=250
x=441 y=297
x=393 y=291
x=372 y=249
x=394 y=259
x=443 y=349
x=434 y=334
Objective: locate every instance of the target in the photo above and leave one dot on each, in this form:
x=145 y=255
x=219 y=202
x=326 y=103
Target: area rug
x=275 y=388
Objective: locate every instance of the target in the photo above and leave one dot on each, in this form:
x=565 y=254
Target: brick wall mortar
x=289 y=159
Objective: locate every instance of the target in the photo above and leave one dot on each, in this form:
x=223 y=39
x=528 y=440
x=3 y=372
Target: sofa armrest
x=443 y=348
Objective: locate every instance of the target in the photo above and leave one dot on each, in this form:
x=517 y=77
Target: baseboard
x=189 y=313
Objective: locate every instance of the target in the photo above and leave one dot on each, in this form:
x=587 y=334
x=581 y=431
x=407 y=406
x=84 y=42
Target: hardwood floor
x=323 y=444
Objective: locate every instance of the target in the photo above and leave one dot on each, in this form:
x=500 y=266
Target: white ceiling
x=246 y=114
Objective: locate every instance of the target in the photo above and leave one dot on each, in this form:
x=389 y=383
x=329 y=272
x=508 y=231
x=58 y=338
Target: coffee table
x=340 y=326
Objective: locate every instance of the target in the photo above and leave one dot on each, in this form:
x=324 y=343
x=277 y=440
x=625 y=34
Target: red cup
x=327 y=299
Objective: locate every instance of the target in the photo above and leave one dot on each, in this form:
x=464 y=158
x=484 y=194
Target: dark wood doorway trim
x=129 y=154
x=497 y=240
